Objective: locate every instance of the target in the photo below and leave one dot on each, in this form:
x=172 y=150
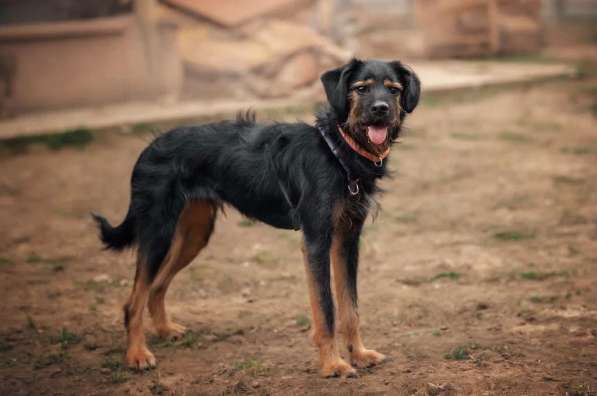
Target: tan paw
x=172 y=331
x=338 y=368
x=366 y=358
x=140 y=358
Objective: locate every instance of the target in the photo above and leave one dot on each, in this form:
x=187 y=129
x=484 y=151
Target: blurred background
x=60 y=54
x=477 y=276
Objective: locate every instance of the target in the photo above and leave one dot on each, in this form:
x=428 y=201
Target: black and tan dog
x=319 y=179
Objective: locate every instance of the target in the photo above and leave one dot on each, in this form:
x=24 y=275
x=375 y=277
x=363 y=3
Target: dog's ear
x=335 y=83
x=412 y=86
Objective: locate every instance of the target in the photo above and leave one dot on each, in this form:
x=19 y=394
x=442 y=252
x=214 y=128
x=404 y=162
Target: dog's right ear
x=335 y=83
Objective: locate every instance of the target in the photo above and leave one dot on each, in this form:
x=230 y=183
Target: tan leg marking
x=192 y=233
x=347 y=314
x=137 y=354
x=331 y=363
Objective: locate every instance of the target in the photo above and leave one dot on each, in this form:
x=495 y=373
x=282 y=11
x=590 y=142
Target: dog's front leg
x=345 y=257
x=316 y=253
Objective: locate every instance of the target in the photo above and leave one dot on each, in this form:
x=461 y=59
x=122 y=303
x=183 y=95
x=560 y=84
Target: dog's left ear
x=335 y=83
x=412 y=86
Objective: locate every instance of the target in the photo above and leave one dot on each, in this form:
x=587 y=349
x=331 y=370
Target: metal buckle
x=379 y=163
x=354 y=190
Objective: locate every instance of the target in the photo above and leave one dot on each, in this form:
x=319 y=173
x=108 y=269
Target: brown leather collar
x=377 y=159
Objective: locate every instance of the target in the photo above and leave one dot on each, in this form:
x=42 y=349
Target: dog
x=318 y=179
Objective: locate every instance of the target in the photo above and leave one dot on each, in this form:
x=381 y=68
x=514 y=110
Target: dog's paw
x=140 y=358
x=172 y=331
x=366 y=358
x=338 y=368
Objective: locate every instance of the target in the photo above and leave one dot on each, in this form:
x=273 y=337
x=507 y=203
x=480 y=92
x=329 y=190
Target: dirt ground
x=477 y=276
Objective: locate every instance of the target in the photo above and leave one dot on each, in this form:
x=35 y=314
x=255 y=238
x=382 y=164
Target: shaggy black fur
x=250 y=166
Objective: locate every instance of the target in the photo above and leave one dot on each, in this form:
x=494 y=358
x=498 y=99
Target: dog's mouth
x=377 y=134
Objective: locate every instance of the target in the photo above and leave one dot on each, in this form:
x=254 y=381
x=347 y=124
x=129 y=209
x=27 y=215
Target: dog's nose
x=380 y=108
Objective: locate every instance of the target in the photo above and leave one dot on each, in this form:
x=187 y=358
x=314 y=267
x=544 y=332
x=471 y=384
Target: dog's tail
x=116 y=238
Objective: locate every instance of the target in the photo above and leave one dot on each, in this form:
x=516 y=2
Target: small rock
x=102 y=278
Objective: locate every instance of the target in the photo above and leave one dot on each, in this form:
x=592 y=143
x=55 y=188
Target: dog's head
x=371 y=99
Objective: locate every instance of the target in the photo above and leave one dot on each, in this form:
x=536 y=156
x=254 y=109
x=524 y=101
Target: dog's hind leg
x=194 y=227
x=345 y=256
x=137 y=354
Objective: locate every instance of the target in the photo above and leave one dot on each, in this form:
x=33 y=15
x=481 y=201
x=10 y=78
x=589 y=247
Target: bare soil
x=477 y=275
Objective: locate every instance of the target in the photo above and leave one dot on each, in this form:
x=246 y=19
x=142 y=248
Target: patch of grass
x=303 y=321
x=576 y=150
x=142 y=128
x=97 y=286
x=451 y=275
x=119 y=377
x=65 y=338
x=514 y=137
x=538 y=299
x=112 y=362
x=78 y=138
x=525 y=58
x=458 y=353
x=265 y=258
x=513 y=235
x=465 y=136
x=5 y=262
x=118 y=372
x=251 y=366
x=569 y=217
x=246 y=222
x=436 y=333
x=50 y=360
x=540 y=276
x=56 y=264
x=407 y=217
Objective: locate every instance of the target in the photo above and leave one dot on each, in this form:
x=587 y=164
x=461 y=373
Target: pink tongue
x=377 y=134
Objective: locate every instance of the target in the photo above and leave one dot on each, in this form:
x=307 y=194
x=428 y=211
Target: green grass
x=50 y=360
x=538 y=299
x=303 y=321
x=97 y=286
x=118 y=373
x=540 y=276
x=451 y=275
x=56 y=264
x=576 y=150
x=77 y=138
x=5 y=262
x=407 y=218
x=570 y=217
x=465 y=136
x=514 y=137
x=458 y=353
x=513 y=235
x=65 y=338
x=250 y=366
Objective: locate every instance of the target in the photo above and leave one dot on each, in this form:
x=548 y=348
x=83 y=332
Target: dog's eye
x=394 y=90
x=362 y=89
